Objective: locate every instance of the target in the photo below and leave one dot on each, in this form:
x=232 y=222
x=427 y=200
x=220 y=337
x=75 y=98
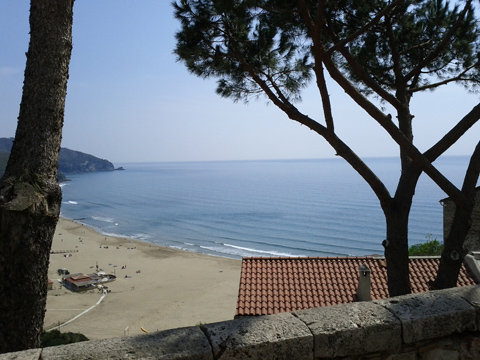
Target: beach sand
x=165 y=288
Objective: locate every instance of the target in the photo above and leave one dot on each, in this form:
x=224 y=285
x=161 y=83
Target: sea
x=236 y=209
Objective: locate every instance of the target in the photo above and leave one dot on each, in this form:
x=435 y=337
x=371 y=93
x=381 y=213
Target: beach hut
x=81 y=282
x=78 y=282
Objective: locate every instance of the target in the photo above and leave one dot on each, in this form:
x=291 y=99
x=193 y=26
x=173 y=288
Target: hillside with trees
x=70 y=161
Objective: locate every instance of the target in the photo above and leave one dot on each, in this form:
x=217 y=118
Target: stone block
x=411 y=355
x=470 y=347
x=441 y=354
x=177 y=344
x=33 y=354
x=431 y=314
x=351 y=329
x=279 y=336
x=472 y=295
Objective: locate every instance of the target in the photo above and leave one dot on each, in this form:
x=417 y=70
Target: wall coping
x=326 y=332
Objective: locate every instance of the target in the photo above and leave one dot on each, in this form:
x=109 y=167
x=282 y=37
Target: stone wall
x=472 y=241
x=435 y=325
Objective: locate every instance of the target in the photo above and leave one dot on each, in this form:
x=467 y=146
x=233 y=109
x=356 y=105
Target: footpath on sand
x=157 y=288
x=82 y=313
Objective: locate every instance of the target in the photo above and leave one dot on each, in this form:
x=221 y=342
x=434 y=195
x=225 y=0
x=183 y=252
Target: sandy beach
x=157 y=288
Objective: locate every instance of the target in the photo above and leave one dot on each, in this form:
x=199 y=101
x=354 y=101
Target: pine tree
x=30 y=196
x=376 y=51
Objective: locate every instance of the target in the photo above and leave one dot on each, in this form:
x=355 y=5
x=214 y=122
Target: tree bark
x=396 y=252
x=396 y=244
x=453 y=251
x=30 y=196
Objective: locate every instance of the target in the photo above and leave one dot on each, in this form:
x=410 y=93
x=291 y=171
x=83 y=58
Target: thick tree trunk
x=396 y=244
x=30 y=197
x=396 y=250
x=453 y=251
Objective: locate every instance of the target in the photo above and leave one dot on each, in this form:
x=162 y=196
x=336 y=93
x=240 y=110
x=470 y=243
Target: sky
x=129 y=100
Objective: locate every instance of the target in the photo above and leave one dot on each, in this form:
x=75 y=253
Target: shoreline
x=157 y=287
x=121 y=236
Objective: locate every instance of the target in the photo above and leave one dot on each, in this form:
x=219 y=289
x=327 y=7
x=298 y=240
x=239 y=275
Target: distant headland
x=69 y=161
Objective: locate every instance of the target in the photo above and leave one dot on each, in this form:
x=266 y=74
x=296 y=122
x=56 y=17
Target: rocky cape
x=70 y=161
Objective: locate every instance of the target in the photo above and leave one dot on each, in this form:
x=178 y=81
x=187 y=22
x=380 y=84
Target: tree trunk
x=396 y=250
x=396 y=244
x=453 y=251
x=30 y=196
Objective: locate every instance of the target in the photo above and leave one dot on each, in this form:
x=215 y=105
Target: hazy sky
x=130 y=101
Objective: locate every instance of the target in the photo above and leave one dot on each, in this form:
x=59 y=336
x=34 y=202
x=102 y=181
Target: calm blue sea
x=252 y=208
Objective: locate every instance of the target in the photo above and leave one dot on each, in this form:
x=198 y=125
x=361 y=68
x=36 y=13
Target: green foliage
x=271 y=46
x=419 y=29
x=238 y=43
x=55 y=338
x=429 y=248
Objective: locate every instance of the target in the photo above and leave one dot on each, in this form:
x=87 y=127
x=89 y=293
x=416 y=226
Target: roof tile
x=273 y=285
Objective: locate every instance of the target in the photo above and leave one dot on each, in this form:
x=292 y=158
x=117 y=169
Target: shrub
x=55 y=338
x=431 y=247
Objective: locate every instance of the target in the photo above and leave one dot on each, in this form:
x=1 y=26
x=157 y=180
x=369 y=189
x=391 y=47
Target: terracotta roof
x=278 y=284
x=78 y=278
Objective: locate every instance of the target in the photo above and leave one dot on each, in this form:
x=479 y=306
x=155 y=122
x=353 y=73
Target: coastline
x=157 y=288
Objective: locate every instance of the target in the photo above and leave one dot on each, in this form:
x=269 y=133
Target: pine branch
x=459 y=77
x=444 y=42
x=472 y=175
x=404 y=143
x=362 y=74
x=454 y=134
x=364 y=29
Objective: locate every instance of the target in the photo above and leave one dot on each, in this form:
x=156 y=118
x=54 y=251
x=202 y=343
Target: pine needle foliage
x=239 y=42
x=431 y=43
